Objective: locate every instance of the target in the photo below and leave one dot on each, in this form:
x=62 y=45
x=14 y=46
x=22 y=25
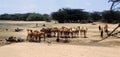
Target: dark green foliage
x=35 y=17
x=96 y=16
x=111 y=17
x=78 y=15
x=26 y=17
x=67 y=15
x=5 y=16
x=47 y=17
x=70 y=15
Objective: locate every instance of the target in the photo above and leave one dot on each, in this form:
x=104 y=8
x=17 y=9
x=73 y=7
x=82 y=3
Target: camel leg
x=44 y=37
x=72 y=35
x=67 y=35
x=66 y=39
x=101 y=33
x=35 y=38
x=27 y=38
x=58 y=38
x=80 y=33
x=54 y=34
x=30 y=38
x=84 y=34
x=39 y=38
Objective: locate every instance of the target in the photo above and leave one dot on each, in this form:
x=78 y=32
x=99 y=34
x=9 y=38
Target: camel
x=30 y=34
x=35 y=35
x=40 y=35
x=47 y=31
x=83 y=31
x=50 y=32
x=54 y=31
x=69 y=32
x=106 y=29
x=63 y=33
x=103 y=30
x=66 y=32
x=72 y=32
x=62 y=30
x=76 y=31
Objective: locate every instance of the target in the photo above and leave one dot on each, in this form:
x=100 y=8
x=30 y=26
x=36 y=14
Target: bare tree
x=114 y=4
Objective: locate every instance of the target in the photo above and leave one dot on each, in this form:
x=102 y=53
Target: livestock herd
x=62 y=32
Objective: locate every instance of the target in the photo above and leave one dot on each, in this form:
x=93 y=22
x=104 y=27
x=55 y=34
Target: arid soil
x=76 y=47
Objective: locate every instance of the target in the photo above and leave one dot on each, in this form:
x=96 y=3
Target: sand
x=27 y=49
x=76 y=47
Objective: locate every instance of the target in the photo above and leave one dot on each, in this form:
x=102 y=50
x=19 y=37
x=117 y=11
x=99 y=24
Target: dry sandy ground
x=77 y=47
x=93 y=32
x=56 y=50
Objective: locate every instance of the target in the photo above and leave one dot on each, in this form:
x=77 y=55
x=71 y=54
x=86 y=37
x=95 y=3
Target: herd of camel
x=63 y=32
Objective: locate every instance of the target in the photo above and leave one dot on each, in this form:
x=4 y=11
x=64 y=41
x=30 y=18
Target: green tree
x=35 y=17
x=47 y=17
x=4 y=17
x=111 y=18
x=96 y=16
x=71 y=15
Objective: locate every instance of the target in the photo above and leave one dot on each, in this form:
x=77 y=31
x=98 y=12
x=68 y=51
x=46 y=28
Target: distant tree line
x=80 y=16
x=71 y=15
x=26 y=17
x=67 y=15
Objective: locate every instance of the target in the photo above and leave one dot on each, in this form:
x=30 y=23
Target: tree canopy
x=67 y=15
x=25 y=17
x=70 y=15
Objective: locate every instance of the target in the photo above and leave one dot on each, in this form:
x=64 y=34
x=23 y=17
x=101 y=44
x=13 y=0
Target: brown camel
x=83 y=31
x=47 y=31
x=35 y=35
x=106 y=29
x=54 y=31
x=30 y=34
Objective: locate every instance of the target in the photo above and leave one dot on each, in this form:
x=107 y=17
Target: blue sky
x=49 y=6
